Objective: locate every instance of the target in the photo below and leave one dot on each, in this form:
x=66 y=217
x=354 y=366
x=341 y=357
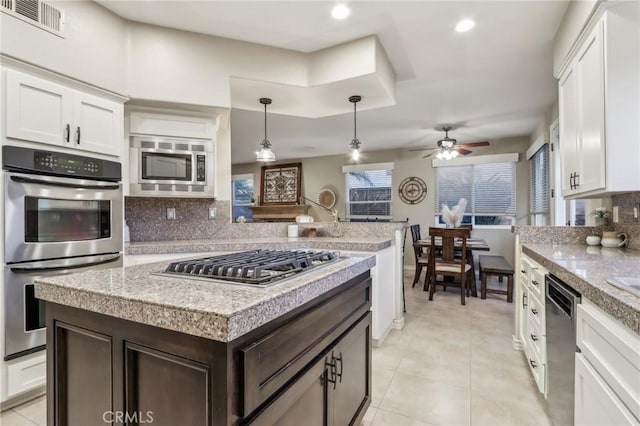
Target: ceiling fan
x=449 y=148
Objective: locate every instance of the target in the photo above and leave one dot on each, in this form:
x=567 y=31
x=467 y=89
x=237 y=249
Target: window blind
x=369 y=194
x=489 y=188
x=539 y=175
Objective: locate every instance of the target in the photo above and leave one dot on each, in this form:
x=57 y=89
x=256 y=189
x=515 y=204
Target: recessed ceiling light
x=340 y=11
x=465 y=25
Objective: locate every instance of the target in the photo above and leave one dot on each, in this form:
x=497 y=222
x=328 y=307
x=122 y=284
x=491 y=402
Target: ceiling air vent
x=38 y=13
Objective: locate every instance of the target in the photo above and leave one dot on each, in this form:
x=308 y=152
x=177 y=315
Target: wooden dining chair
x=446 y=263
x=421 y=254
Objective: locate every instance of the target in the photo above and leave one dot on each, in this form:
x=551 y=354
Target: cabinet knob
x=534 y=282
x=533 y=363
x=534 y=337
x=534 y=311
x=523 y=271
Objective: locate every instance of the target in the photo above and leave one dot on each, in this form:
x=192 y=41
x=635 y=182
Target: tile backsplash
x=147 y=218
x=626 y=222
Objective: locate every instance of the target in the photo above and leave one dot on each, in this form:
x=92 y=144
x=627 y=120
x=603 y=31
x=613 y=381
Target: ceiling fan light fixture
x=265 y=154
x=355 y=142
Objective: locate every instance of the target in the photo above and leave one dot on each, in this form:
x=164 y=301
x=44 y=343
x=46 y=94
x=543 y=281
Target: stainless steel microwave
x=171 y=167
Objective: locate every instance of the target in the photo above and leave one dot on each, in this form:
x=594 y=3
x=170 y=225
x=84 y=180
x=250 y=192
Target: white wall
x=163 y=64
x=576 y=16
x=94 y=50
x=321 y=172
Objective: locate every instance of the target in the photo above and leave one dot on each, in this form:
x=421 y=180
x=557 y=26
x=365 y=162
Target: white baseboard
x=379 y=341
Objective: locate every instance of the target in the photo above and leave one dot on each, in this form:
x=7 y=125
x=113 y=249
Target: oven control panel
x=67 y=164
x=53 y=163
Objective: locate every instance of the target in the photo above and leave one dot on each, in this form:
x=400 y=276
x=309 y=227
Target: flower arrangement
x=601 y=212
x=453 y=217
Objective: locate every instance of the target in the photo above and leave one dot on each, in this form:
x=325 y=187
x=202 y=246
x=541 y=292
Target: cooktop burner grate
x=256 y=267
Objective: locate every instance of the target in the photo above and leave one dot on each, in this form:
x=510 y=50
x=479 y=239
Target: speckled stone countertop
x=213 y=310
x=586 y=270
x=326 y=243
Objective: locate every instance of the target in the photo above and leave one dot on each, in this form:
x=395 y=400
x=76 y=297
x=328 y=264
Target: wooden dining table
x=477 y=244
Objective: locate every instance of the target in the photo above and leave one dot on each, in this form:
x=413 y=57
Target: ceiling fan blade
x=472 y=144
x=428 y=155
x=463 y=151
x=422 y=149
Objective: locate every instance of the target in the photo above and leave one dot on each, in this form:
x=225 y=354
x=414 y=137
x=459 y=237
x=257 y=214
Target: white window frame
x=470 y=161
x=364 y=168
x=540 y=218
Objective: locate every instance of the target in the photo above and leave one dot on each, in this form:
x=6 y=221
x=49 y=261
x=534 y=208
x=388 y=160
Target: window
x=539 y=187
x=369 y=191
x=242 y=195
x=489 y=188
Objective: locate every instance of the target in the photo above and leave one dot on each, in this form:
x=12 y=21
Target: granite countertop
x=586 y=270
x=213 y=310
x=326 y=243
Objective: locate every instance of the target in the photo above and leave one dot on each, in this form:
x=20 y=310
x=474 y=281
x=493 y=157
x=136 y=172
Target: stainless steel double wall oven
x=63 y=213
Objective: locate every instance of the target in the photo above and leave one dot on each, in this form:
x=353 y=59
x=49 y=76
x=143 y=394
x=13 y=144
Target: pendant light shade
x=355 y=142
x=265 y=154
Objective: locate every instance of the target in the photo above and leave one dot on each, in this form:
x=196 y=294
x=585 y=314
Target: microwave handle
x=60 y=264
x=51 y=181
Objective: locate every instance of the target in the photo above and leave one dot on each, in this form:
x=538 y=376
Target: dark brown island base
x=310 y=366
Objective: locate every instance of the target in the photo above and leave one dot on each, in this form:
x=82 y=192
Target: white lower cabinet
x=607 y=370
x=595 y=403
x=532 y=326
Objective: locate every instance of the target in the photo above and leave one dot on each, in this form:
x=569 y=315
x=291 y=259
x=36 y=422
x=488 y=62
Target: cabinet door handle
x=576 y=180
x=534 y=311
x=339 y=374
x=68 y=132
x=332 y=370
x=571 y=176
x=78 y=135
x=524 y=301
x=534 y=337
x=523 y=271
x=533 y=363
x=534 y=282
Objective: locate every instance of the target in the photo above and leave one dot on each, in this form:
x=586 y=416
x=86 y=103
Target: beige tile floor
x=451 y=365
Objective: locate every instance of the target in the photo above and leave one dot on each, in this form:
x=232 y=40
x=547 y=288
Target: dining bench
x=495 y=266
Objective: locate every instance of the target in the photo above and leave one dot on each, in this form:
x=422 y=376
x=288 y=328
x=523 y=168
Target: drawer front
x=274 y=359
x=26 y=374
x=613 y=351
x=538 y=369
x=525 y=266
x=595 y=402
x=536 y=340
x=535 y=312
x=536 y=281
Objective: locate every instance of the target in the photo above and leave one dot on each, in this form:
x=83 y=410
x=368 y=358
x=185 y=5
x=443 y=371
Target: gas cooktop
x=257 y=267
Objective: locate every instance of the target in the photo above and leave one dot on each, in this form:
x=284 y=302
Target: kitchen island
x=123 y=342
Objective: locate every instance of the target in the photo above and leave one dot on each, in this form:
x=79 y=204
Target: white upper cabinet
x=99 y=124
x=39 y=110
x=599 y=104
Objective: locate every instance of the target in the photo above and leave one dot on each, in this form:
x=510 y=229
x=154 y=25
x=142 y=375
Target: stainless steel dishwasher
x=561 y=310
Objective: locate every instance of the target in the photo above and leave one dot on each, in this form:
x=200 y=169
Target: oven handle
x=60 y=264
x=53 y=182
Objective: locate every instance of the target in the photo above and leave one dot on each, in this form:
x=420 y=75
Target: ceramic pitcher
x=613 y=239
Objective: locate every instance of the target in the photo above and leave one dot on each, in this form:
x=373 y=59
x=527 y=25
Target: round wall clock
x=412 y=190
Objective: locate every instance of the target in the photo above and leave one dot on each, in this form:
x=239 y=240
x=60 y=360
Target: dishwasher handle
x=564 y=298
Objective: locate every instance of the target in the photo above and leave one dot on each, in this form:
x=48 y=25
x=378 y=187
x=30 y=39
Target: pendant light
x=355 y=143
x=265 y=154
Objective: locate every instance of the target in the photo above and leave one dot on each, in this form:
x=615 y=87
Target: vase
x=602 y=221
